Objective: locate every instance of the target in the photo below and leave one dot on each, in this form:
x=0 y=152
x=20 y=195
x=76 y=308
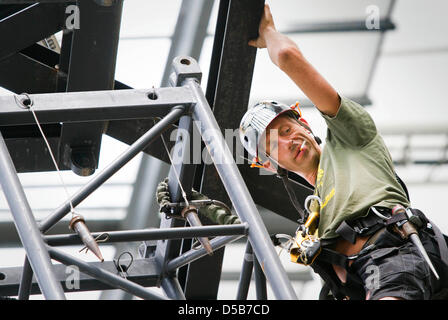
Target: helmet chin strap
x=283 y=174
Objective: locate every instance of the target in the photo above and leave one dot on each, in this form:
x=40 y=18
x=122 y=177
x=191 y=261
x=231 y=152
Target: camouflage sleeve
x=215 y=213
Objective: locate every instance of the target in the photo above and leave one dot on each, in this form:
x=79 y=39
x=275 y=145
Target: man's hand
x=266 y=25
x=285 y=54
x=214 y=212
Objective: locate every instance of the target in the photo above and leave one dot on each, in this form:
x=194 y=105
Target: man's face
x=284 y=138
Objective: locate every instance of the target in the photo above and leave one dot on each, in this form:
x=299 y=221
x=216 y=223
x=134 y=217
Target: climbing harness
x=306 y=246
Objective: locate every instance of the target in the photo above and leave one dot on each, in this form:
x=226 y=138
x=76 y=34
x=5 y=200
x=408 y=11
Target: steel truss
x=187 y=103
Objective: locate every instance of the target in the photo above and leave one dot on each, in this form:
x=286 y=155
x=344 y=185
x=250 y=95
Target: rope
x=28 y=104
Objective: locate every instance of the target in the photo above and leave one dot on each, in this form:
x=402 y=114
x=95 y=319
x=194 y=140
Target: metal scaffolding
x=185 y=102
x=76 y=98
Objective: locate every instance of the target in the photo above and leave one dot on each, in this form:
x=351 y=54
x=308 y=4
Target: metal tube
x=239 y=194
x=104 y=276
x=93 y=184
x=172 y=288
x=246 y=273
x=124 y=158
x=25 y=281
x=190 y=213
x=194 y=254
x=153 y=234
x=260 y=281
x=27 y=227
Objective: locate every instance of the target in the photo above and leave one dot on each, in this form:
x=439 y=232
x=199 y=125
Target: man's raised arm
x=286 y=55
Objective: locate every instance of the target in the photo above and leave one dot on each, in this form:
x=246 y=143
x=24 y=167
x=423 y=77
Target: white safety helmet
x=255 y=121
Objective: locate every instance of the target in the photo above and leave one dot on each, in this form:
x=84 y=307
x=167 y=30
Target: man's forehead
x=281 y=120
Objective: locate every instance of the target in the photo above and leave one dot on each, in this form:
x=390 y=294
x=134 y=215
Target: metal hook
x=123 y=269
x=309 y=198
x=21 y=103
x=196 y=245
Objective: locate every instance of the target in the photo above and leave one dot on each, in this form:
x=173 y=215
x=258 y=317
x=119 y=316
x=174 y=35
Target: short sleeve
x=352 y=125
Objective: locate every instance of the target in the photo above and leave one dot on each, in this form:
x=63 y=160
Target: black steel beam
x=91 y=67
x=228 y=86
x=30 y=25
x=144 y=272
x=228 y=89
x=19 y=73
x=8 y=9
x=35 y=1
x=33 y=71
x=30 y=153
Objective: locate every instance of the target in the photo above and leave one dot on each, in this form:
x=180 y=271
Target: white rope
x=30 y=107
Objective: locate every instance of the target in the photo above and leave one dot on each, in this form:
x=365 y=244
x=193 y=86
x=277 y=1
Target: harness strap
x=333 y=257
x=365 y=226
x=441 y=241
x=283 y=174
x=370 y=224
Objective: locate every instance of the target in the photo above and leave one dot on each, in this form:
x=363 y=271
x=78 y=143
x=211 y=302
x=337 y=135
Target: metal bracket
x=184 y=68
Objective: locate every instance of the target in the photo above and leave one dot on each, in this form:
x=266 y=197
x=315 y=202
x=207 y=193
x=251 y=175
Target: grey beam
x=153 y=234
x=10 y=238
x=102 y=275
x=195 y=254
x=93 y=105
x=27 y=227
x=143 y=272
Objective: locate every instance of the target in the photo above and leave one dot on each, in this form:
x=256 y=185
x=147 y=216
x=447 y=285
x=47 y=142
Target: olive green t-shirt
x=355 y=170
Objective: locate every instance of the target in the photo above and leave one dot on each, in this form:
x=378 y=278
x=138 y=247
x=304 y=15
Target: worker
x=353 y=175
x=363 y=254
